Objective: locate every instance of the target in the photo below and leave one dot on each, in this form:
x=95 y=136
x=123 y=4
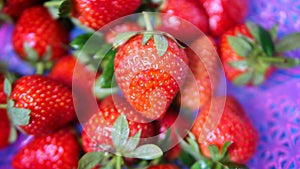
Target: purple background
x=273 y=107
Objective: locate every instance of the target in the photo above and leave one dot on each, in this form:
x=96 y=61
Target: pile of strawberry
x=141 y=78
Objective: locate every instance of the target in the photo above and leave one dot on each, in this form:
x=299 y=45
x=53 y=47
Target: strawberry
x=234 y=127
x=37 y=35
x=189 y=10
x=149 y=69
x=58 y=150
x=164 y=166
x=224 y=14
x=124 y=27
x=43 y=105
x=5 y=126
x=204 y=77
x=96 y=135
x=249 y=53
x=14 y=8
x=101 y=12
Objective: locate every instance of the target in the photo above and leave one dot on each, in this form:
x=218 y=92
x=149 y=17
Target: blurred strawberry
x=163 y=166
x=149 y=72
x=59 y=150
x=38 y=36
x=224 y=14
x=200 y=85
x=39 y=105
x=14 y=8
x=189 y=10
x=101 y=12
x=234 y=127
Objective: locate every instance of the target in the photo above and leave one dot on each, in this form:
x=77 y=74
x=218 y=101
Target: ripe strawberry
x=164 y=166
x=125 y=27
x=5 y=126
x=190 y=10
x=224 y=14
x=200 y=85
x=249 y=53
x=102 y=12
x=41 y=32
x=234 y=127
x=59 y=150
x=14 y=8
x=50 y=104
x=96 y=135
x=150 y=73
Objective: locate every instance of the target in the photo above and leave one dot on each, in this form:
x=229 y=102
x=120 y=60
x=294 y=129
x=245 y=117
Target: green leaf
x=48 y=54
x=166 y=141
x=120 y=132
x=122 y=38
x=90 y=160
x=186 y=158
x=146 y=37
x=7 y=87
x=20 y=116
x=103 y=51
x=191 y=148
x=258 y=78
x=64 y=9
x=12 y=135
x=106 y=79
x=240 y=65
x=289 y=42
x=225 y=148
x=240 y=46
x=203 y=164
x=78 y=42
x=6 y=18
x=161 y=44
x=132 y=143
x=30 y=52
x=263 y=37
x=214 y=152
x=274 y=32
x=147 y=152
x=244 y=78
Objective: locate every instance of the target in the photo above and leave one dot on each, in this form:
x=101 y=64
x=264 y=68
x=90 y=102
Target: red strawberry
x=101 y=12
x=234 y=126
x=203 y=80
x=164 y=166
x=96 y=135
x=14 y=8
x=190 y=10
x=249 y=53
x=224 y=14
x=5 y=126
x=59 y=150
x=41 y=32
x=50 y=104
x=125 y=27
x=148 y=75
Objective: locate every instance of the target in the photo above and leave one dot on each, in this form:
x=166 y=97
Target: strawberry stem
x=119 y=161
x=147 y=21
x=39 y=68
x=3 y=106
x=53 y=3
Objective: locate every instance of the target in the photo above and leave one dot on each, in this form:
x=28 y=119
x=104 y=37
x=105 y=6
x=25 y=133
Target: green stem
x=119 y=161
x=272 y=59
x=147 y=21
x=53 y=3
x=40 y=68
x=3 y=106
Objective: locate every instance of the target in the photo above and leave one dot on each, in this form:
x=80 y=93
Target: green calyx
x=40 y=63
x=261 y=53
x=124 y=146
x=219 y=158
